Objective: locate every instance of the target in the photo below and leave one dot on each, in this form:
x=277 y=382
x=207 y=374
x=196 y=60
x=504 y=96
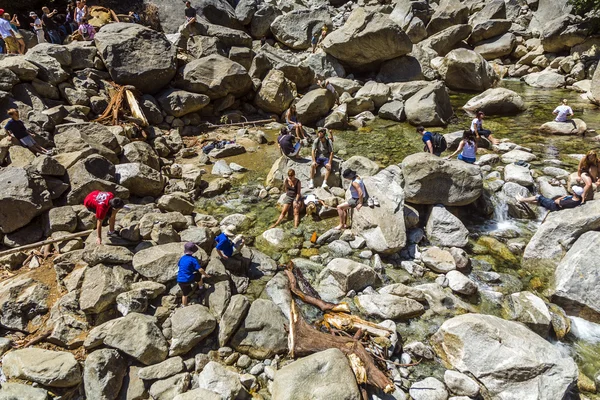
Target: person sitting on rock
x=291 y=119
x=427 y=138
x=358 y=194
x=293 y=196
x=285 y=141
x=327 y=85
x=106 y=206
x=588 y=173
x=477 y=128
x=227 y=243
x=468 y=145
x=558 y=204
x=314 y=41
x=190 y=13
x=190 y=272
x=16 y=129
x=322 y=156
x=86 y=30
x=563 y=112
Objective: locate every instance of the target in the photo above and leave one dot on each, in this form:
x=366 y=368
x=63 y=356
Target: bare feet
x=340 y=227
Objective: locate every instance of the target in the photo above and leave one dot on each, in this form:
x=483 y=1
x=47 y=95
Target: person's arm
x=555 y=112
x=223 y=256
x=53 y=13
x=330 y=152
x=314 y=154
x=99 y=231
x=360 y=195
x=580 y=167
x=460 y=147
x=299 y=194
x=430 y=146
x=10 y=133
x=287 y=117
x=571 y=112
x=111 y=221
x=477 y=132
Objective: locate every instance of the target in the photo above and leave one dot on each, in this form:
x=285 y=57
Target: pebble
x=366 y=254
x=257 y=369
x=247 y=380
x=232 y=358
x=225 y=352
x=442 y=281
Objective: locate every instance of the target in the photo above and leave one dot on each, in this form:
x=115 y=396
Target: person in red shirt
x=105 y=205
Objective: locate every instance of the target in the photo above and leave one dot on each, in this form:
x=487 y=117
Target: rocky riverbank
x=476 y=312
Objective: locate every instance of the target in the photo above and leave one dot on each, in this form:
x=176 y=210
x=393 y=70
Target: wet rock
x=49 y=368
x=167 y=389
x=444 y=229
x=179 y=102
x=496 y=101
x=367 y=38
x=326 y=374
x=103 y=374
x=136 y=55
x=389 y=306
x=216 y=378
x=438 y=260
x=430 y=106
x=276 y=92
x=574 y=126
x=296 y=28
x=342 y=275
x=263 y=332
x=459 y=283
x=492 y=349
x=464 y=69
x=529 y=309
x=190 y=325
x=432 y=180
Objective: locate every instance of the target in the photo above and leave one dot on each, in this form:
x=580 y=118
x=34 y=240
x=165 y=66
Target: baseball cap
x=578 y=190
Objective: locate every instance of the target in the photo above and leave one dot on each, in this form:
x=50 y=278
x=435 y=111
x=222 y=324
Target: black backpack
x=438 y=142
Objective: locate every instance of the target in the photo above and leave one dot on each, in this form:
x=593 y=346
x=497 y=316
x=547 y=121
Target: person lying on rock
x=588 y=173
x=106 y=206
x=322 y=156
x=293 y=198
x=358 y=193
x=285 y=141
x=560 y=203
x=291 y=119
x=16 y=129
x=227 y=243
x=190 y=272
x=477 y=128
x=563 y=112
x=467 y=148
x=313 y=205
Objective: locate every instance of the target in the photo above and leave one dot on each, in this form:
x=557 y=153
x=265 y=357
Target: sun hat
x=578 y=190
x=229 y=230
x=190 y=248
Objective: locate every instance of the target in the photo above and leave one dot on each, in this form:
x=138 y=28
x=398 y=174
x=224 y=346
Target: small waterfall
x=585 y=330
x=500 y=210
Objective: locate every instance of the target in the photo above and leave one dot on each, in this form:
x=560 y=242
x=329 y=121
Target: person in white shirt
x=37 y=27
x=477 y=128
x=563 y=112
x=8 y=35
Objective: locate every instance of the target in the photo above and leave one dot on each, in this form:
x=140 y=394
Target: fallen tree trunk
x=45 y=242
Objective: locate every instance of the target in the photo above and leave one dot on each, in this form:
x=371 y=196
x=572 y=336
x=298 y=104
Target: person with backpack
x=434 y=142
x=87 y=31
x=467 y=148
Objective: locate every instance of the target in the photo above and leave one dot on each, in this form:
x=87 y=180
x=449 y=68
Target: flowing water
x=388 y=142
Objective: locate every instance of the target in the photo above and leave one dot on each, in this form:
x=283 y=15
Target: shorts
x=11 y=44
x=27 y=141
x=547 y=203
x=353 y=202
x=187 y=287
x=296 y=150
x=108 y=214
x=289 y=200
x=322 y=161
x=485 y=133
x=467 y=159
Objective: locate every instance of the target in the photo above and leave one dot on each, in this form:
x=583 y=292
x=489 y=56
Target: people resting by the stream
x=190 y=272
x=560 y=203
x=291 y=119
x=228 y=242
x=478 y=130
x=467 y=148
x=285 y=141
x=563 y=112
x=16 y=129
x=105 y=206
x=293 y=199
x=313 y=205
x=435 y=143
x=322 y=156
x=587 y=172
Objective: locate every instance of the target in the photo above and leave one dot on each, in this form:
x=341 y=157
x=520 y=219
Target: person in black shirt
x=190 y=13
x=51 y=26
x=286 y=143
x=16 y=129
x=560 y=203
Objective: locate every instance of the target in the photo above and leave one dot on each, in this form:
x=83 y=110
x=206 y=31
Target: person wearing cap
x=190 y=271
x=8 y=35
x=560 y=203
x=227 y=242
x=37 y=27
x=106 y=206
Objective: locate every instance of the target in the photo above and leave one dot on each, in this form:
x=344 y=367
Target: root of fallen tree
x=116 y=112
x=305 y=339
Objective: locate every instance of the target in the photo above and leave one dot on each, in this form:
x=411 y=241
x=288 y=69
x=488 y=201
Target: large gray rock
x=401 y=69
x=24 y=196
x=88 y=139
x=363 y=166
x=382 y=227
x=18 y=391
x=158 y=263
x=574 y=126
x=216 y=378
x=496 y=101
x=447 y=13
x=24 y=69
x=314 y=105
x=165 y=369
x=444 y=229
x=443 y=42
x=278 y=172
x=136 y=55
x=519 y=175
x=576 y=277
x=545 y=79
x=488 y=29
x=496 y=47
x=103 y=374
x=101 y=286
x=189 y=326
x=140 y=152
x=323 y=375
x=529 y=309
x=269 y=58
x=276 y=93
x=430 y=106
x=216 y=77
x=21 y=300
x=296 y=28
x=367 y=38
x=388 y=306
x=263 y=333
x=563 y=33
x=494 y=350
x=232 y=317
x=49 y=368
x=342 y=275
x=548 y=10
x=140 y=179
x=464 y=69
x=432 y=180
x=147 y=345
x=179 y=102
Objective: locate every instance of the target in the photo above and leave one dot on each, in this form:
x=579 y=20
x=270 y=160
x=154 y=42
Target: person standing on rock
x=558 y=204
x=37 y=27
x=15 y=24
x=50 y=24
x=228 y=243
x=106 y=206
x=588 y=173
x=322 y=156
x=468 y=145
x=477 y=128
x=291 y=119
x=563 y=112
x=190 y=272
x=80 y=11
x=285 y=141
x=293 y=198
x=358 y=193
x=16 y=129
x=8 y=35
x=190 y=13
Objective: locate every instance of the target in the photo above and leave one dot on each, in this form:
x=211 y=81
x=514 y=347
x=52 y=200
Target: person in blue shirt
x=427 y=139
x=227 y=242
x=190 y=272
